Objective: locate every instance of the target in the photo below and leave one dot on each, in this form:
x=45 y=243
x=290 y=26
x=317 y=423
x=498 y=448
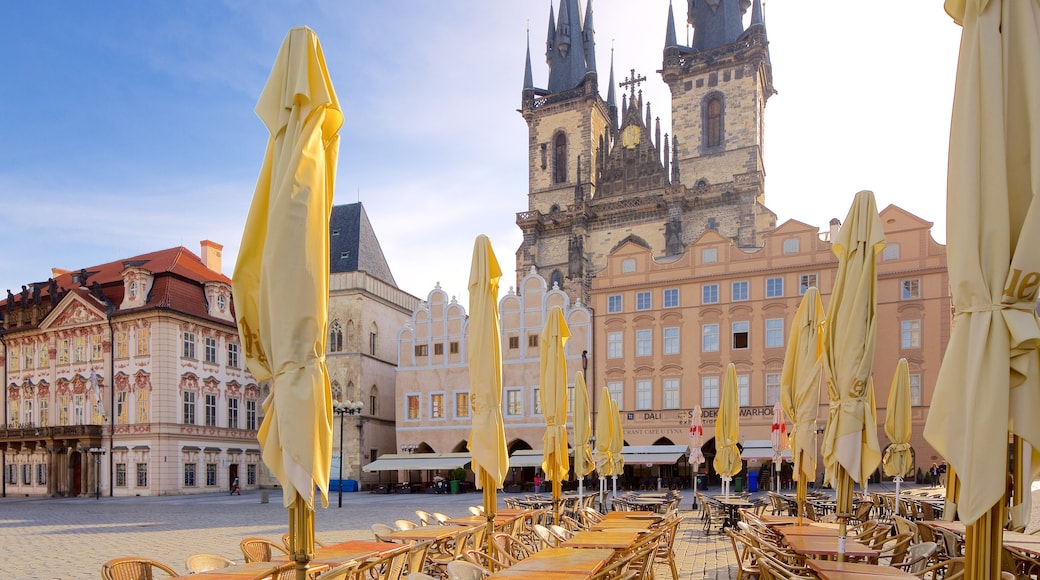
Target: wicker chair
x=206 y=562
x=405 y=524
x=341 y=572
x=260 y=550
x=463 y=570
x=484 y=560
x=381 y=530
x=285 y=542
x=133 y=568
x=442 y=519
x=509 y=548
x=425 y=517
x=663 y=552
x=742 y=545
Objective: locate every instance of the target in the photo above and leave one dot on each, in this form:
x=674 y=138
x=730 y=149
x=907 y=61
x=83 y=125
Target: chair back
x=205 y=562
x=133 y=568
x=387 y=566
x=425 y=517
x=440 y=518
x=463 y=570
x=918 y=556
x=260 y=549
x=341 y=572
x=287 y=571
x=381 y=530
x=547 y=538
x=405 y=524
x=509 y=548
x=562 y=534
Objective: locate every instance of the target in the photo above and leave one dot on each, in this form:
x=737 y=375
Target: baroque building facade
x=126 y=378
x=667 y=327
x=433 y=374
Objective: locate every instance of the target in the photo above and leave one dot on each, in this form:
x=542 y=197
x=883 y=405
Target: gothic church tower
x=600 y=174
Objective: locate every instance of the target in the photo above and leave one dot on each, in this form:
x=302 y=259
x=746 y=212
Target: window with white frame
x=915 y=389
x=79 y=410
x=210 y=350
x=616 y=390
x=211 y=410
x=570 y=401
x=891 y=252
x=461 y=404
x=143 y=336
x=644 y=342
x=142 y=474
x=710 y=392
x=412 y=407
x=97 y=348
x=251 y=414
x=740 y=291
x=710 y=294
x=791 y=246
x=189 y=475
x=79 y=349
x=806 y=281
x=709 y=255
x=910 y=331
x=536 y=401
x=614 y=304
x=911 y=288
x=188 y=408
x=628 y=266
x=772 y=388
x=44 y=418
x=774 y=287
x=211 y=474
x=741 y=332
x=670 y=337
x=122 y=411
x=744 y=390
x=670 y=393
x=514 y=402
x=232 y=413
x=774 y=332
x=436 y=405
x=232 y=355
x=614 y=345
x=120 y=475
x=670 y=297
x=188 y=345
x=644 y=394
x=643 y=300
x=710 y=338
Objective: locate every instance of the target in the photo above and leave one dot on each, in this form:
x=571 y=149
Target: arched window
x=373 y=332
x=557 y=280
x=713 y=122
x=337 y=392
x=335 y=337
x=373 y=396
x=560 y=158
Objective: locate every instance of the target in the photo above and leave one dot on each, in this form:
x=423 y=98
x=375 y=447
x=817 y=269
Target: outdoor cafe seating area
x=579 y=542
x=883 y=538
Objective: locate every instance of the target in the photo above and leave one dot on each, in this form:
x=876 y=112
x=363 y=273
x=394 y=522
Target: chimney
x=211 y=255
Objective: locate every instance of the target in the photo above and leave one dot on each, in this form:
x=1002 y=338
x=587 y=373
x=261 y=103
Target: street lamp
x=343 y=409
x=97 y=452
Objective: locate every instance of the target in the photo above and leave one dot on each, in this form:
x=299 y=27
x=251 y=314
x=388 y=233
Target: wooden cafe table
x=831 y=570
x=557 y=564
x=827 y=547
x=633 y=515
x=615 y=539
x=336 y=554
x=236 y=572
x=626 y=524
x=501 y=520
x=808 y=530
x=424 y=533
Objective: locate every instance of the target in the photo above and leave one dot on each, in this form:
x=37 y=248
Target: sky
x=128 y=127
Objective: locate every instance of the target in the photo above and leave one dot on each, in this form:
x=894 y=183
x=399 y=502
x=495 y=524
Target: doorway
x=76 y=467
x=232 y=476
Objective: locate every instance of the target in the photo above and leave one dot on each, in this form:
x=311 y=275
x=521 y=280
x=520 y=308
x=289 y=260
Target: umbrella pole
x=490 y=505
x=843 y=507
x=556 y=484
x=802 y=485
x=581 y=490
x=898 y=480
x=613 y=483
x=301 y=535
x=695 y=485
x=983 y=544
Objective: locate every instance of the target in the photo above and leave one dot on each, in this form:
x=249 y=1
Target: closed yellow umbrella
x=727 y=430
x=552 y=367
x=604 y=435
x=800 y=387
x=850 y=445
x=617 y=443
x=897 y=459
x=281 y=278
x=487 y=439
x=989 y=382
x=583 y=462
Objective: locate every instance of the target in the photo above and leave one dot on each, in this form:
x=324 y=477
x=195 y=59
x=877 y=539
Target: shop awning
x=418 y=461
x=529 y=457
x=653 y=454
x=761 y=450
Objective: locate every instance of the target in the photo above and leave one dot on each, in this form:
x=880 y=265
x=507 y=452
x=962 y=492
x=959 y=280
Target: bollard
x=265 y=496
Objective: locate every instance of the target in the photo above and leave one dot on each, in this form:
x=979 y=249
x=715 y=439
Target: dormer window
x=221 y=302
x=133 y=289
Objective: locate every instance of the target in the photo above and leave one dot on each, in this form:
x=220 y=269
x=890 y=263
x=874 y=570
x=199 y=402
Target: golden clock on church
x=630 y=136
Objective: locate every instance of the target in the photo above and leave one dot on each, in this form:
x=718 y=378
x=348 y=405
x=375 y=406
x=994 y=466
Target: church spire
x=716 y=23
x=528 y=76
x=756 y=13
x=550 y=38
x=611 y=100
x=567 y=65
x=589 y=34
x=669 y=33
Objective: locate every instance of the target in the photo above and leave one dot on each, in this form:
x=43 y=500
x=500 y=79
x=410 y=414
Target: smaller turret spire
x=589 y=37
x=611 y=100
x=550 y=39
x=528 y=76
x=756 y=14
x=669 y=33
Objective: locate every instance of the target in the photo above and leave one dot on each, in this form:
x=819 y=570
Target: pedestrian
x=942 y=474
x=234 y=488
x=537 y=484
x=933 y=473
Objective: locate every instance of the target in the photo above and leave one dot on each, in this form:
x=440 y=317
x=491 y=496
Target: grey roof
x=567 y=48
x=353 y=245
x=716 y=26
x=589 y=37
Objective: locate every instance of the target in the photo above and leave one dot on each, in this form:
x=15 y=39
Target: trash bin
x=752 y=481
x=738 y=484
x=349 y=484
x=453 y=485
x=702 y=481
x=265 y=496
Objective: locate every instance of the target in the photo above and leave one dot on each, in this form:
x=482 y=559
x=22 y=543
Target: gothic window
x=336 y=337
x=557 y=279
x=713 y=121
x=560 y=158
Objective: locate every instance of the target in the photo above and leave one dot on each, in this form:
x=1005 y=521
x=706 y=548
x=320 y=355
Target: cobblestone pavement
x=70 y=538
